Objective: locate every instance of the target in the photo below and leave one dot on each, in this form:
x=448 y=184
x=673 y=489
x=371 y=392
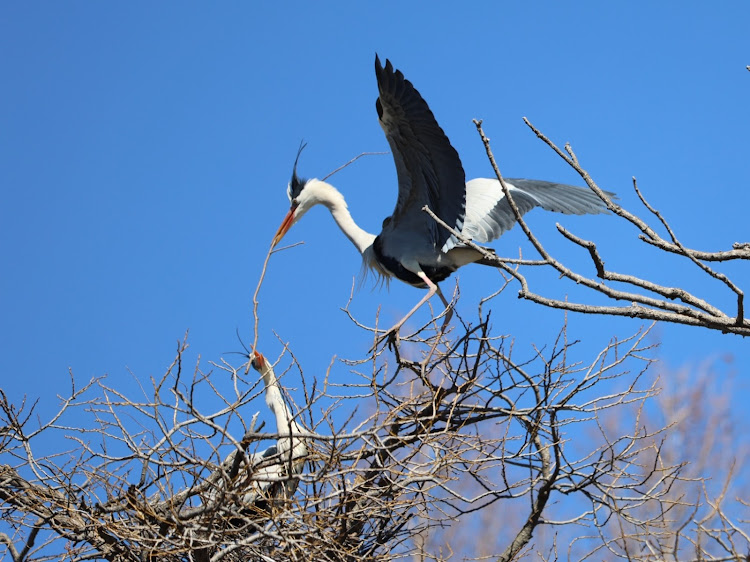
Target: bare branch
x=647 y=300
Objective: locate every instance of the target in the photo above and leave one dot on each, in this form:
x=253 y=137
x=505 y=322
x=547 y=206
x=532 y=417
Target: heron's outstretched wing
x=429 y=169
x=488 y=213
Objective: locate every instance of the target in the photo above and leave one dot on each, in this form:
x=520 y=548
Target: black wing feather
x=429 y=168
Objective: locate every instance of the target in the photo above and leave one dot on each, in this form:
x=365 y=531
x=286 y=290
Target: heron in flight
x=412 y=247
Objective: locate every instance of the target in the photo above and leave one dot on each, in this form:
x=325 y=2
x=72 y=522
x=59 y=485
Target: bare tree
x=646 y=299
x=440 y=430
x=689 y=521
x=432 y=440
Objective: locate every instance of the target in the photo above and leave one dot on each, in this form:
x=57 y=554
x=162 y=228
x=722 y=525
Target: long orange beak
x=284 y=228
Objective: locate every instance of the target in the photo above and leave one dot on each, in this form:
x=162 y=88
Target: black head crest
x=296 y=184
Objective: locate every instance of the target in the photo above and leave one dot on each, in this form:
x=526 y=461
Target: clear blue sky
x=145 y=150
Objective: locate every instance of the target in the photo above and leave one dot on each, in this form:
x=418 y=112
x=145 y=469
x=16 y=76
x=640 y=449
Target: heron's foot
x=390 y=338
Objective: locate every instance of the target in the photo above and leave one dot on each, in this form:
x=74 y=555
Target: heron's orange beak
x=284 y=228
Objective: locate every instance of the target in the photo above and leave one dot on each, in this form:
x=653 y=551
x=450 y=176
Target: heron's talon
x=390 y=338
x=393 y=340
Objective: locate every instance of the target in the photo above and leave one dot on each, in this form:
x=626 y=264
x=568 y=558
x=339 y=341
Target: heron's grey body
x=430 y=173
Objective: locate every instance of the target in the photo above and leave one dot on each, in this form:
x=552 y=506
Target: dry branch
x=647 y=300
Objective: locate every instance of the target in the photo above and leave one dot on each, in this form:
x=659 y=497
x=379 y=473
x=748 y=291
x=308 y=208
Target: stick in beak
x=285 y=226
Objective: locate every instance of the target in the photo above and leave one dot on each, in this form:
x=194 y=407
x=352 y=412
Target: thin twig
x=352 y=161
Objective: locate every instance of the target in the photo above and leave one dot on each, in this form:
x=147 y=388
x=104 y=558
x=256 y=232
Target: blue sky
x=145 y=150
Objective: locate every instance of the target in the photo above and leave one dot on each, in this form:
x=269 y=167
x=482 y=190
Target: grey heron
x=273 y=470
x=268 y=476
x=412 y=247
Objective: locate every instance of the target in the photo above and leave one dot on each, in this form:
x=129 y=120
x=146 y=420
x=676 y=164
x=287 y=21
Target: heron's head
x=257 y=360
x=304 y=195
x=259 y=363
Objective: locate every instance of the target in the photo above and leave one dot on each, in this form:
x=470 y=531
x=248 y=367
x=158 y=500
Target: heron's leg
x=448 y=310
x=392 y=334
x=432 y=289
x=448 y=315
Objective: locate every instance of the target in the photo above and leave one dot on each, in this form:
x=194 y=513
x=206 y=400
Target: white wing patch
x=488 y=213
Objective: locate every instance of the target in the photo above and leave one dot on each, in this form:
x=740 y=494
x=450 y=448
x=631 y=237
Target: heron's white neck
x=275 y=402
x=329 y=196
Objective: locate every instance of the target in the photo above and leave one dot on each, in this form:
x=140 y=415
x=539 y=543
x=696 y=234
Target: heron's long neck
x=275 y=402
x=340 y=212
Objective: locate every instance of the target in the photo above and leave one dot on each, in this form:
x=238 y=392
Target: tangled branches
x=400 y=451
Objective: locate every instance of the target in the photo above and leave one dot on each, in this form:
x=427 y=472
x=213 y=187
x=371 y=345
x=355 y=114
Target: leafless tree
x=407 y=447
x=646 y=299
x=439 y=431
x=689 y=521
